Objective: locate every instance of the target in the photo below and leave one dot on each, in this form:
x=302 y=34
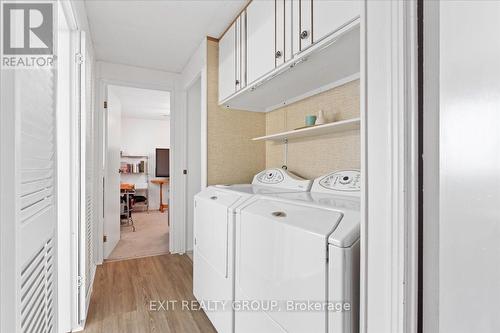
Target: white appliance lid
x=255 y=189
x=318 y=221
x=343 y=232
x=337 y=202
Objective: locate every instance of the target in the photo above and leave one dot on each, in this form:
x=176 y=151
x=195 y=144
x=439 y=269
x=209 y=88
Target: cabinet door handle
x=304 y=34
x=237 y=82
x=277 y=54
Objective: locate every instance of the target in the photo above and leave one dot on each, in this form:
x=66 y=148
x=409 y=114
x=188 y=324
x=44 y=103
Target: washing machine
x=297 y=259
x=213 y=253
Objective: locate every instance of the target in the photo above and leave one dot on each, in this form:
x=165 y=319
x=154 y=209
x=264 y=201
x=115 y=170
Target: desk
x=161 y=182
x=127 y=187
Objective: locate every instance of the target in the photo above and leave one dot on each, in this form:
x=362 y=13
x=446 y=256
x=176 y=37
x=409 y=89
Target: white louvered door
x=86 y=265
x=36 y=105
x=37 y=207
x=90 y=217
x=90 y=214
x=28 y=173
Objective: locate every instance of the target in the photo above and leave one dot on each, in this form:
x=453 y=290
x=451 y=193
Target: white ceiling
x=157 y=34
x=142 y=103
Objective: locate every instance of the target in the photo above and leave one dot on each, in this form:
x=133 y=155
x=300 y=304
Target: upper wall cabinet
x=232 y=58
x=227 y=63
x=330 y=15
x=260 y=24
x=271 y=37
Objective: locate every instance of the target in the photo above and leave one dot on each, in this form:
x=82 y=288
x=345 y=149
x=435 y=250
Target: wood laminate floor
x=123 y=291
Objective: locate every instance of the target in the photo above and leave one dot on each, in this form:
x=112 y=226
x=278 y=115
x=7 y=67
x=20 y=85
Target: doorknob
x=304 y=34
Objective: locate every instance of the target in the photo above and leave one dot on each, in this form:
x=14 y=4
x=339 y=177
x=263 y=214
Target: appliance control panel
x=282 y=179
x=343 y=182
x=272 y=176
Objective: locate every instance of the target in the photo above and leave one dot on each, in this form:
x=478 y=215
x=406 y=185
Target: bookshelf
x=134 y=170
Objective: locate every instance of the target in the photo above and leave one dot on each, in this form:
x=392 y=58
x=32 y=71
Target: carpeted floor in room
x=150 y=237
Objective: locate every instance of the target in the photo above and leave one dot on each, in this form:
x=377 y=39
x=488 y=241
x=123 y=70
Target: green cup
x=310 y=120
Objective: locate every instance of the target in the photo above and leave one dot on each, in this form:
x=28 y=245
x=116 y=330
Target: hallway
x=123 y=290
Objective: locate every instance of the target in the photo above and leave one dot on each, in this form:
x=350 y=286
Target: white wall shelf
x=338 y=126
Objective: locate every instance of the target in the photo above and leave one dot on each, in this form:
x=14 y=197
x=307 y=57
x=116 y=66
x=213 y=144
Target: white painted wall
x=465 y=290
x=142 y=137
x=195 y=69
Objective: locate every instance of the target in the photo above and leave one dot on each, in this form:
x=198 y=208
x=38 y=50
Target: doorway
x=137 y=173
x=193 y=157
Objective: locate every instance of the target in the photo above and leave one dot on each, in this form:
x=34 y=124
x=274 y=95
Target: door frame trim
x=73 y=158
x=102 y=84
x=389 y=113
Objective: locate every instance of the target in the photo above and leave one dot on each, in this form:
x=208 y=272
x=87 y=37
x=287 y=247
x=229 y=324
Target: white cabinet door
x=241 y=46
x=279 y=52
x=260 y=38
x=306 y=23
x=294 y=14
x=227 y=63
x=288 y=27
x=240 y=23
x=330 y=15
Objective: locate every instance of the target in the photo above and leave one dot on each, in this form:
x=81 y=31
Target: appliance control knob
x=345 y=180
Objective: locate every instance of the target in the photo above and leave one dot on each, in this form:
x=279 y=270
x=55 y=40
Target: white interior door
x=90 y=184
x=112 y=177
x=193 y=155
x=28 y=201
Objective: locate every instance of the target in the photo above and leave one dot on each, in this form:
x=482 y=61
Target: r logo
x=28 y=28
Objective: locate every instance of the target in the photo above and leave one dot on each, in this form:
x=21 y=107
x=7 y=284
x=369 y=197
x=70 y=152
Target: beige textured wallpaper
x=314 y=156
x=232 y=156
